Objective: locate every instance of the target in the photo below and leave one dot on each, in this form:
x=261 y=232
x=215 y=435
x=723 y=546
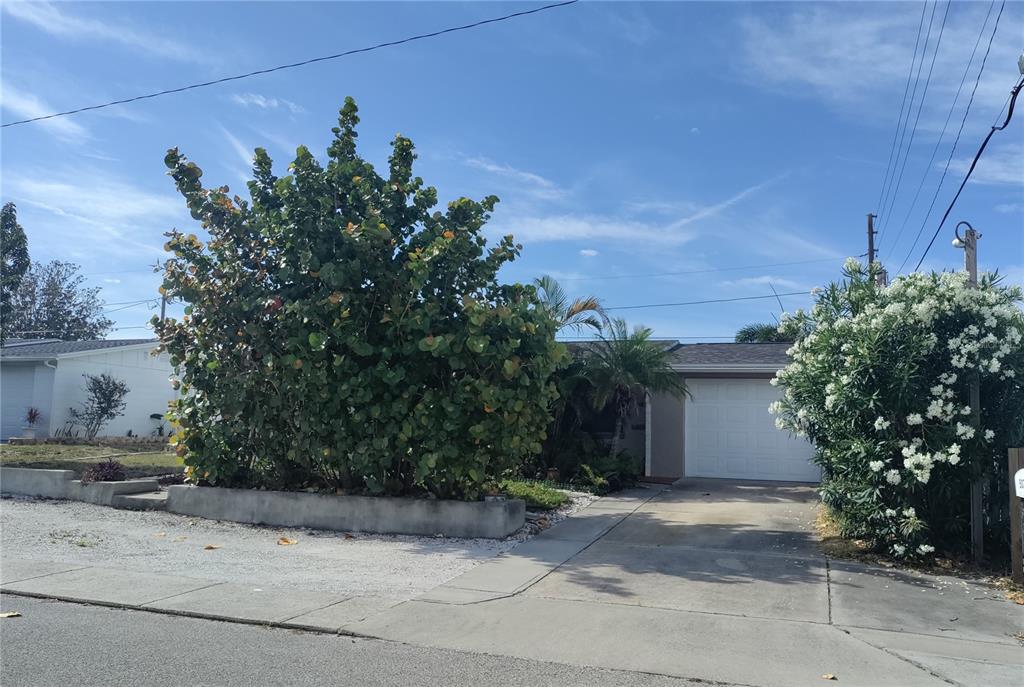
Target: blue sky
x=623 y=139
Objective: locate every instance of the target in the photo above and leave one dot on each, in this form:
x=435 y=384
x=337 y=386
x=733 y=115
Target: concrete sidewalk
x=708 y=581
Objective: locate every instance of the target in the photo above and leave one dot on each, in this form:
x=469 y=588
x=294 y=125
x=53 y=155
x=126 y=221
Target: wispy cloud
x=766 y=280
x=58 y=22
x=1004 y=165
x=1009 y=208
x=244 y=153
x=570 y=227
x=24 y=105
x=712 y=210
x=126 y=219
x=588 y=252
x=528 y=182
x=796 y=48
x=265 y=103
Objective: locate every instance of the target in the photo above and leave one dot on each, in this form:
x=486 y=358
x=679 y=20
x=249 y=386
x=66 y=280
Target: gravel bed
x=392 y=566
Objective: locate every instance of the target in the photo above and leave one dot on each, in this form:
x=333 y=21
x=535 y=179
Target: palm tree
x=574 y=314
x=622 y=365
x=761 y=332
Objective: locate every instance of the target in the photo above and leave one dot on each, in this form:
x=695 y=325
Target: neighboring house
x=48 y=374
x=723 y=429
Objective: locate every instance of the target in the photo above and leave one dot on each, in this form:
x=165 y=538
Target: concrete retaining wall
x=61 y=484
x=52 y=484
x=378 y=514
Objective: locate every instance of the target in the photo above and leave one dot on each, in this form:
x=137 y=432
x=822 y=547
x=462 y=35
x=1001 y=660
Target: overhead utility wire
x=704 y=271
x=711 y=300
x=956 y=141
x=913 y=132
x=893 y=185
x=293 y=65
x=938 y=143
x=974 y=163
x=899 y=120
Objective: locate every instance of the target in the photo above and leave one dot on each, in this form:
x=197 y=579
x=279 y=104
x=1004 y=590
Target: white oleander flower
x=893 y=477
x=881 y=424
x=899 y=549
x=925 y=548
x=876 y=465
x=965 y=431
x=989 y=435
x=915 y=419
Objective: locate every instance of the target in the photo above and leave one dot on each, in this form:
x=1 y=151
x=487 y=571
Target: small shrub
x=32 y=416
x=593 y=481
x=607 y=473
x=105 y=401
x=107 y=471
x=536 y=496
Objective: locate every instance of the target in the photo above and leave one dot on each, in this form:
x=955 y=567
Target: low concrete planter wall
x=52 y=484
x=378 y=514
x=61 y=484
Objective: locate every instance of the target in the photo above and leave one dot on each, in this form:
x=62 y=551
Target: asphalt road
x=56 y=643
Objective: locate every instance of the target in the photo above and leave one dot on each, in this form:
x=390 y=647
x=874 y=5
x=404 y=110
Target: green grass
x=137 y=463
x=536 y=496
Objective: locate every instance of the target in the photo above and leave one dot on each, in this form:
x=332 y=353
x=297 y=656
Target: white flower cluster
x=839 y=370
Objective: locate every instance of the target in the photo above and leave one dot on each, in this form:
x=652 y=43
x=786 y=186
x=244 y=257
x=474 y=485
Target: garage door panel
x=731 y=434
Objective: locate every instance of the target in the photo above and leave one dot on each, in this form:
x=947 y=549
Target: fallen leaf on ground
x=285 y=541
x=10 y=614
x=211 y=547
x=349 y=536
x=160 y=534
x=182 y=538
x=829 y=676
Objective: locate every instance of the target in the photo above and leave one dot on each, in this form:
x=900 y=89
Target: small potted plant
x=32 y=417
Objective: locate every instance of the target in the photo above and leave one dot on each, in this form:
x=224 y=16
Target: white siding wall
x=146 y=377
x=23 y=385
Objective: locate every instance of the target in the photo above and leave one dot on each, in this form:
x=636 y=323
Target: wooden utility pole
x=970 y=246
x=1015 y=462
x=871 y=239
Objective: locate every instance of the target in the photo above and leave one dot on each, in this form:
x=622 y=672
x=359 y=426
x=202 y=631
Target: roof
x=38 y=349
x=721 y=356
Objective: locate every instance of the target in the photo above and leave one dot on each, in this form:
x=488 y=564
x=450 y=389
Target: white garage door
x=731 y=434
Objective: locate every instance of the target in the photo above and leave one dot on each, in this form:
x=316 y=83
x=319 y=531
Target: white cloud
x=58 y=22
x=767 y=280
x=244 y=153
x=111 y=281
x=568 y=227
x=712 y=210
x=588 y=252
x=1003 y=165
x=1010 y=208
x=695 y=131
x=124 y=219
x=662 y=207
x=534 y=184
x=27 y=105
x=797 y=51
x=265 y=103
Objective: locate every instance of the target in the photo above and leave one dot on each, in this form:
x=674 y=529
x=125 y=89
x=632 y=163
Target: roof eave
x=728 y=367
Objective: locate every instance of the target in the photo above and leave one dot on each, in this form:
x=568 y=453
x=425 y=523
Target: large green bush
x=340 y=333
x=879 y=381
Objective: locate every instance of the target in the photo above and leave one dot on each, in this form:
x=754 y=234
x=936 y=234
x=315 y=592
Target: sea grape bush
x=879 y=381
x=339 y=333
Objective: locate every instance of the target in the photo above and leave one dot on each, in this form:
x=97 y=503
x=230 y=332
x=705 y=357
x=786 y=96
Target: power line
x=152 y=302
x=956 y=141
x=293 y=65
x=882 y=192
x=711 y=300
x=704 y=271
x=938 y=143
x=917 y=117
x=974 y=163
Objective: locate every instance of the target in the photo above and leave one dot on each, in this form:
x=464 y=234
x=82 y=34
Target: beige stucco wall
x=668 y=420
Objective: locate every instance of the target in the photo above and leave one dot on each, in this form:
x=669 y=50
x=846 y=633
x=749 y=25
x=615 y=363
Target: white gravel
x=392 y=566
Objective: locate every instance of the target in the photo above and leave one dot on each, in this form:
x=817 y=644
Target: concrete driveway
x=719 y=581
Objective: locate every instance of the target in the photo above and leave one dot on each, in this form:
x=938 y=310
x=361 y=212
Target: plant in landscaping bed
x=879 y=382
x=104 y=401
x=107 y=471
x=340 y=332
x=537 y=496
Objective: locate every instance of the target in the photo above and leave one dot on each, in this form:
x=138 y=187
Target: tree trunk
x=619 y=422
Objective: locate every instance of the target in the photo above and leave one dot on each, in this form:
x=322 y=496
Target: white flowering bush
x=879 y=382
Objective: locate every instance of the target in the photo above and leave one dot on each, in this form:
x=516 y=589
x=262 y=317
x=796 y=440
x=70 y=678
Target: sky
x=644 y=153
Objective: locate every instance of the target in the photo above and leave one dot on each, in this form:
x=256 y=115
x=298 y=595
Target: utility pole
x=881 y=278
x=969 y=242
x=871 y=239
x=163 y=307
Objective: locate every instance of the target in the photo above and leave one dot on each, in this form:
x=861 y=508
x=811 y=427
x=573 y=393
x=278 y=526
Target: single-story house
x=47 y=374
x=723 y=428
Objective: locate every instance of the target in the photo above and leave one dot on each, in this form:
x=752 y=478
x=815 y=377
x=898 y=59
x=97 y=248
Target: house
x=47 y=374
x=723 y=429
